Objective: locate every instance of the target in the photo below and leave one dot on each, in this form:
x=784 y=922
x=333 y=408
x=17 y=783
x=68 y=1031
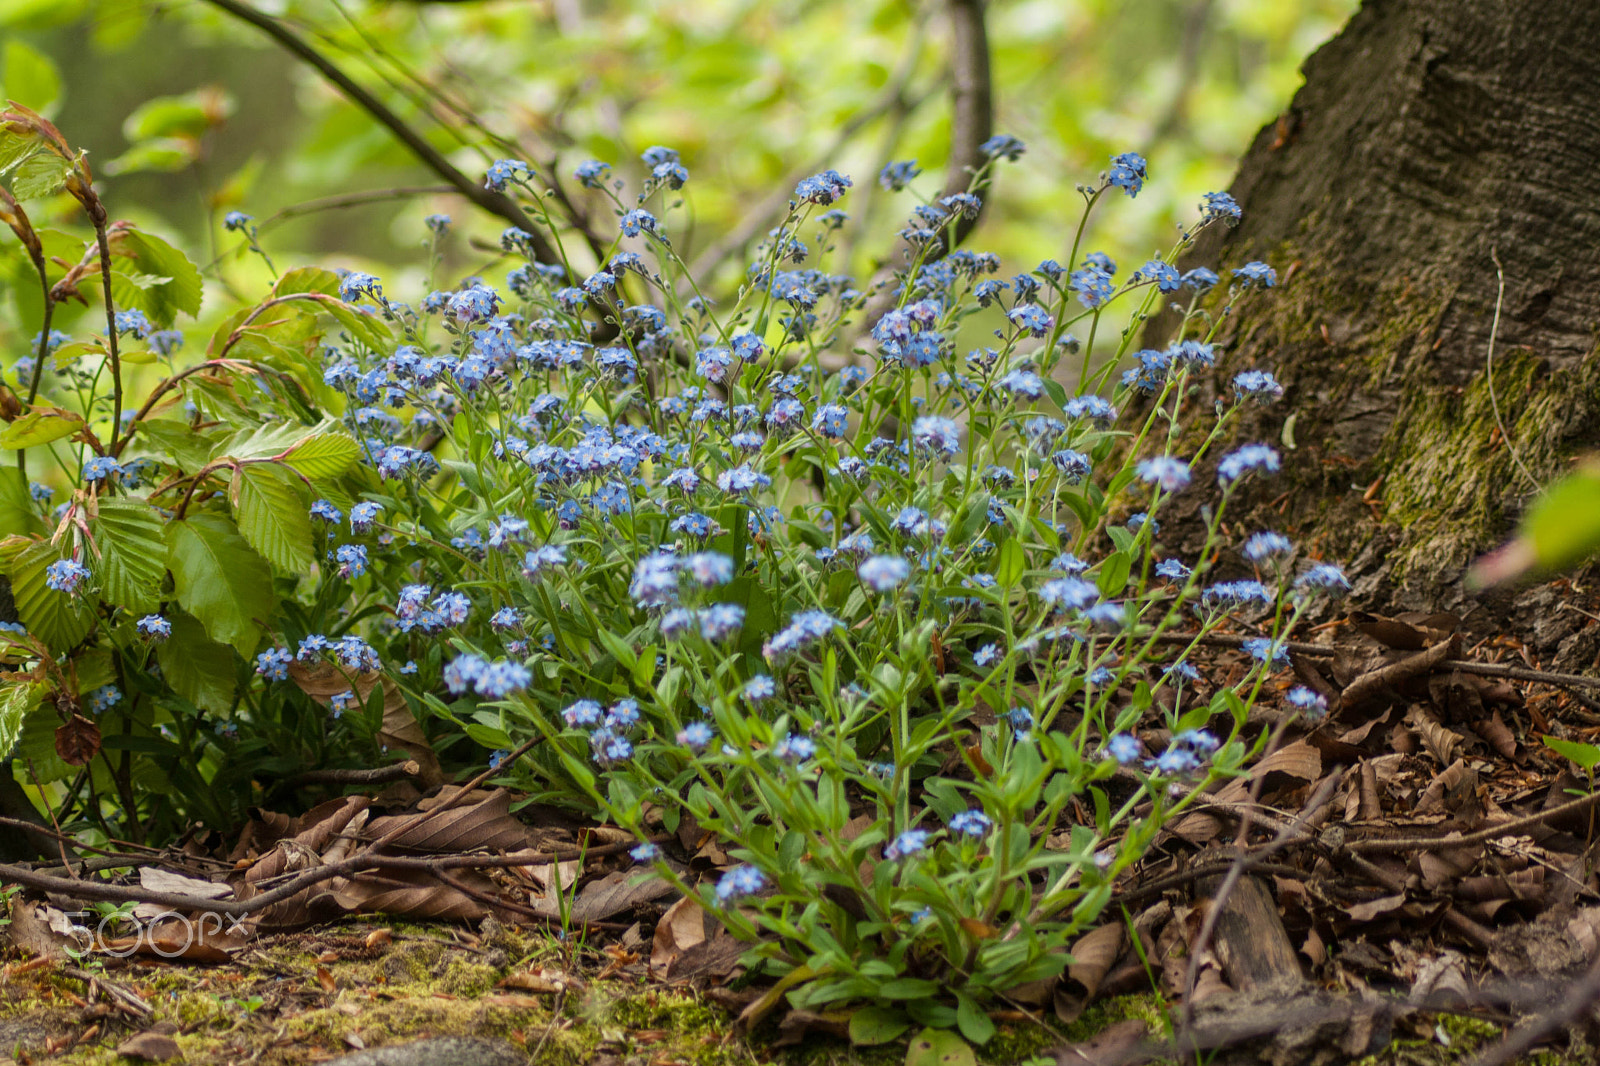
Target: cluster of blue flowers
x=729 y=564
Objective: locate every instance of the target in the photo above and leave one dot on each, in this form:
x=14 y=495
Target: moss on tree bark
x=1431 y=138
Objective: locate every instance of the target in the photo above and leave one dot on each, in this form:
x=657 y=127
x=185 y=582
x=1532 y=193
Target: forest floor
x=1421 y=880
x=312 y=996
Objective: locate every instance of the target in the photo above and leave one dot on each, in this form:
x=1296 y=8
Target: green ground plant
x=865 y=603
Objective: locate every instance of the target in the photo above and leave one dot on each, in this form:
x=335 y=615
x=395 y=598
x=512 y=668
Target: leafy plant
x=868 y=608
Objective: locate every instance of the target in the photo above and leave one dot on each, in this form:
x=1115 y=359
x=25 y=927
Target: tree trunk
x=1432 y=138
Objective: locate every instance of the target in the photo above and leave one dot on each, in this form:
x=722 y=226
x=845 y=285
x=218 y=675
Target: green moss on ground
x=274 y=1005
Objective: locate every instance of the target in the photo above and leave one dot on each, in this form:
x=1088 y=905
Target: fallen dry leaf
x=681 y=928
x=149 y=1047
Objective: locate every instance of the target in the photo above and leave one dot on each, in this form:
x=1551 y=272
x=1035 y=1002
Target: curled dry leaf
x=1390 y=632
x=323 y=681
x=1440 y=741
x=1493 y=730
x=416 y=894
x=617 y=892
x=484 y=824
x=1374 y=684
x=1093 y=955
x=78 y=741
x=682 y=927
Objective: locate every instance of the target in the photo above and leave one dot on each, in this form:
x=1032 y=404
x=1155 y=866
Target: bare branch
x=491 y=201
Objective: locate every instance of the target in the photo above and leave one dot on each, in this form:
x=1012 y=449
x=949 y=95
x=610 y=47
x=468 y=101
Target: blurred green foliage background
x=188 y=113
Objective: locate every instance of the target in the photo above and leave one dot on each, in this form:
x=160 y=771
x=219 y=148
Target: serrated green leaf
x=220 y=579
x=323 y=455
x=272 y=516
x=307 y=279
x=39 y=175
x=152 y=255
x=59 y=619
x=198 y=668
x=132 y=554
x=127 y=292
x=261 y=442
x=15 y=146
x=16 y=700
x=40 y=426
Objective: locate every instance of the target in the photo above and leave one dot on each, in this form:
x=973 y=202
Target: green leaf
x=323 y=455
x=760 y=614
x=152 y=255
x=618 y=648
x=16 y=700
x=132 y=555
x=307 y=279
x=368 y=330
x=134 y=290
x=262 y=442
x=40 y=175
x=40 y=426
x=186 y=116
x=31 y=79
x=1081 y=508
x=939 y=1047
x=272 y=515
x=1012 y=562
x=186 y=446
x=1564 y=525
x=36 y=748
x=907 y=988
x=876 y=1025
x=220 y=579
x=59 y=619
x=975 y=1025
x=1585 y=755
x=35 y=14
x=160 y=155
x=198 y=668
x=17 y=512
x=1113 y=575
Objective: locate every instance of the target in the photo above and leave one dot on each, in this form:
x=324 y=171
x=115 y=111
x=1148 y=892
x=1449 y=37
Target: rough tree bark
x=1431 y=138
